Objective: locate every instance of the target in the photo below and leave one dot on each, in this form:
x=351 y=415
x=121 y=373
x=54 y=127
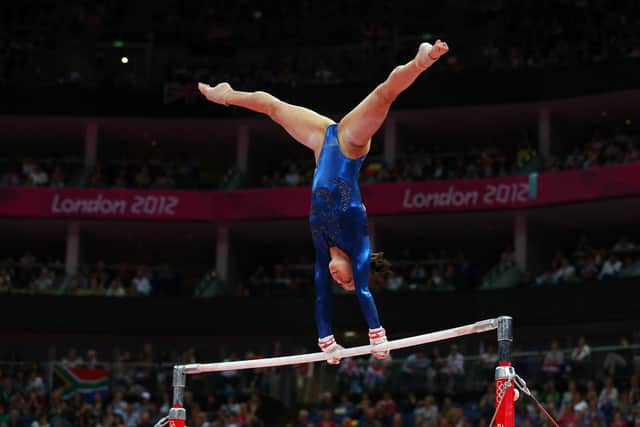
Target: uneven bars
x=474 y=328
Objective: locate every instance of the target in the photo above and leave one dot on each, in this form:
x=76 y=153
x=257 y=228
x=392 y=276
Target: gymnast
x=338 y=217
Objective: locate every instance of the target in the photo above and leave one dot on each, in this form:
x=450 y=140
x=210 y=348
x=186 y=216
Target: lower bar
x=474 y=328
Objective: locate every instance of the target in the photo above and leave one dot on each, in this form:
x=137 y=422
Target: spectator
x=92 y=359
x=57 y=177
x=121 y=181
x=376 y=375
x=488 y=362
x=430 y=411
x=436 y=281
x=610 y=268
x=143 y=177
x=327 y=419
x=550 y=390
x=350 y=376
x=593 y=414
x=618 y=420
x=589 y=269
x=164 y=181
x=395 y=282
x=129 y=413
x=95 y=287
x=38 y=176
x=569 y=395
x=303 y=418
x=454 y=369
x=345 y=408
x=608 y=399
x=568 y=416
x=507 y=259
x=292 y=178
x=141 y=283
x=72 y=359
x=232 y=179
x=414 y=369
x=11 y=178
x=44 y=282
x=615 y=360
x=581 y=359
x=417 y=277
x=553 y=360
x=623 y=244
x=116 y=289
x=551 y=406
x=565 y=273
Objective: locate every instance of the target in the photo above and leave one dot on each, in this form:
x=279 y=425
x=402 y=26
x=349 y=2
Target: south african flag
x=87 y=381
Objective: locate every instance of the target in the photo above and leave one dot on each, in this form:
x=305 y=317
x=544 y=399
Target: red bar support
x=177 y=416
x=505 y=375
x=505 y=395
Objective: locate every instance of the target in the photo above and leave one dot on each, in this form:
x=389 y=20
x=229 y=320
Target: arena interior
x=144 y=227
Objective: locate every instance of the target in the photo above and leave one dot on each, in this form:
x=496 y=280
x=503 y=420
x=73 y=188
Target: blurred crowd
x=555 y=34
x=608 y=147
x=586 y=262
x=434 y=271
x=135 y=391
x=423 y=270
x=428 y=162
x=124 y=174
x=416 y=162
x=30 y=275
x=223 y=40
x=580 y=385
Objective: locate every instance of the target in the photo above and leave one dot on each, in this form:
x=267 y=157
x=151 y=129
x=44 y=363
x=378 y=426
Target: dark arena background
x=143 y=227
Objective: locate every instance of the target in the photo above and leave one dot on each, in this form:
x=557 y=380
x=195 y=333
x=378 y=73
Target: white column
x=544 y=132
x=390 y=138
x=222 y=252
x=520 y=241
x=90 y=144
x=242 y=153
x=73 y=248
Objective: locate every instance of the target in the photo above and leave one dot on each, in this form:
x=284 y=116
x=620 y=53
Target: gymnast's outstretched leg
x=304 y=125
x=359 y=125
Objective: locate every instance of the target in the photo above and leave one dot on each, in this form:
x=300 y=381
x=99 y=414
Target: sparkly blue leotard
x=338 y=218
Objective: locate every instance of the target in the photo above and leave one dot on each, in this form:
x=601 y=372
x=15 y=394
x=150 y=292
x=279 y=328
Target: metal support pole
x=177 y=413
x=505 y=374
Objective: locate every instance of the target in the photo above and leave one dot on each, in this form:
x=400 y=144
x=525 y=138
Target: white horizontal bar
x=474 y=328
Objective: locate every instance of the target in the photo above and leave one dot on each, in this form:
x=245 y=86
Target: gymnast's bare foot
x=217 y=94
x=428 y=53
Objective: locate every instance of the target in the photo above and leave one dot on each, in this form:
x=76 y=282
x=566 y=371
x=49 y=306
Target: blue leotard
x=338 y=218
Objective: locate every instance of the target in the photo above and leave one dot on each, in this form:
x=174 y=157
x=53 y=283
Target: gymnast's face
x=342 y=272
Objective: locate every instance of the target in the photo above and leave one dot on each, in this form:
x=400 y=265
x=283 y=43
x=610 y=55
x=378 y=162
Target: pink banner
x=105 y=203
x=380 y=199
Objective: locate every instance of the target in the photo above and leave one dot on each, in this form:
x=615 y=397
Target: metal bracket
x=505 y=328
x=179 y=382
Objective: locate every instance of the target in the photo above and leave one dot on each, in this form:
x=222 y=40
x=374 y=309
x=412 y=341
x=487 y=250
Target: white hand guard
x=378 y=336
x=328 y=344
